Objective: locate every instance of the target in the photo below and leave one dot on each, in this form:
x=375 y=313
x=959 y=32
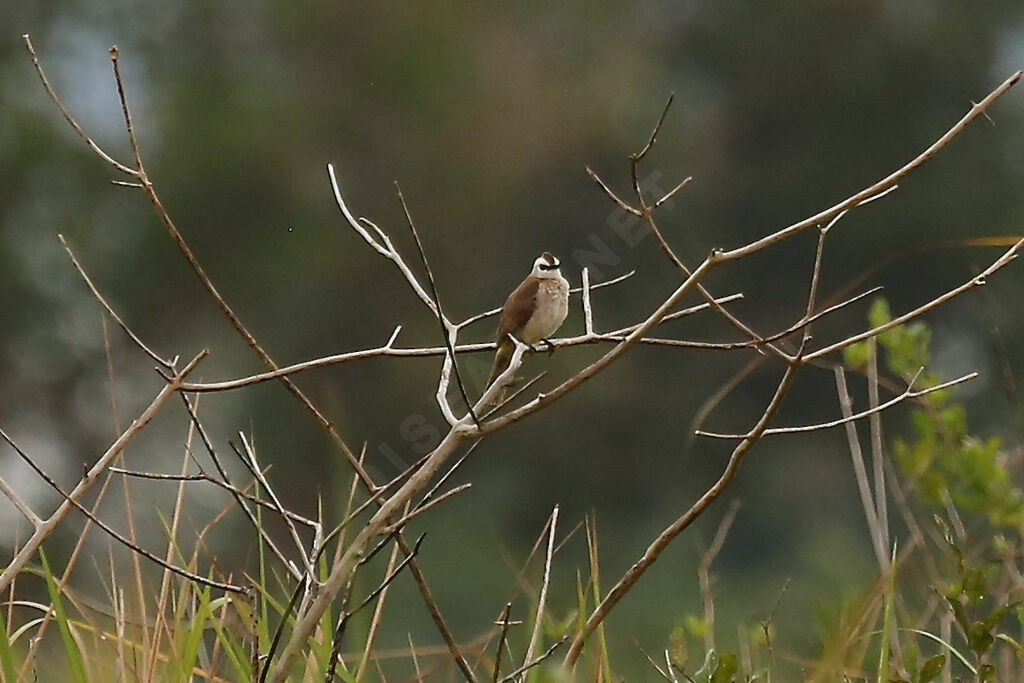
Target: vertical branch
x=588 y=314
x=503 y=623
x=860 y=471
x=704 y=572
x=877 y=452
x=378 y=613
x=538 y=623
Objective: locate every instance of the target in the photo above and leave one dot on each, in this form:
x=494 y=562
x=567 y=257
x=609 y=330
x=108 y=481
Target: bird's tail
x=501 y=360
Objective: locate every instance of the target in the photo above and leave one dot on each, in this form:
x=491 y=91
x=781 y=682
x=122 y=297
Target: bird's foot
x=549 y=345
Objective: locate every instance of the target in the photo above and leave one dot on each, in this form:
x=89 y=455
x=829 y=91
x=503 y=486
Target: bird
x=533 y=311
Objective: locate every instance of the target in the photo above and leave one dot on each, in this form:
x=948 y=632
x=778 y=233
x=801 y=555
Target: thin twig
x=239 y=500
x=668 y=195
x=975 y=281
x=608 y=191
x=426 y=506
x=526 y=667
x=341 y=572
x=67 y=115
x=885 y=183
x=447 y=329
x=439 y=622
x=909 y=393
x=657 y=129
x=197 y=578
x=656 y=547
x=614 y=336
x=503 y=623
x=27 y=551
x=704 y=572
x=538 y=623
x=860 y=471
x=877 y=452
x=588 y=313
x=249 y=460
x=109 y=309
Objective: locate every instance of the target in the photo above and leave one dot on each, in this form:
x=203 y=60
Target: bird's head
x=546 y=266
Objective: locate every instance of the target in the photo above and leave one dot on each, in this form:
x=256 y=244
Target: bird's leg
x=549 y=345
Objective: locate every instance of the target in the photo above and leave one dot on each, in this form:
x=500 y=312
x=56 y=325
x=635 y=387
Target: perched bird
x=532 y=312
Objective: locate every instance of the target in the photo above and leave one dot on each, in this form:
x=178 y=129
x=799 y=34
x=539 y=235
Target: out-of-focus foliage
x=944 y=462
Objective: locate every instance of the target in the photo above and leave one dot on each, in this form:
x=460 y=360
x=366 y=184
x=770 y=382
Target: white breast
x=552 y=305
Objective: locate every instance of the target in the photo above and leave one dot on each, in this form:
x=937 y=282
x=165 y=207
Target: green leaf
x=975 y=584
x=978 y=638
x=911 y=654
x=698 y=627
x=1017 y=648
x=992 y=620
x=7 y=667
x=677 y=649
x=855 y=356
x=932 y=668
x=61 y=617
x=728 y=665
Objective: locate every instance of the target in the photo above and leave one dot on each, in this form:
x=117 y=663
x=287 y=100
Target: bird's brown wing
x=517 y=309
x=514 y=315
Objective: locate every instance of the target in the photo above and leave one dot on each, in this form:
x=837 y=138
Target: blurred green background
x=487 y=114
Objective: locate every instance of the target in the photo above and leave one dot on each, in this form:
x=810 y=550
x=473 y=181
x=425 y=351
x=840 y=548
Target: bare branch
x=426 y=506
x=448 y=331
x=504 y=623
x=73 y=502
x=975 y=281
x=672 y=192
x=67 y=115
x=388 y=350
x=877 y=453
x=882 y=185
x=657 y=129
x=227 y=486
x=21 y=505
x=249 y=460
x=538 y=622
x=435 y=615
x=109 y=309
x=588 y=314
x=611 y=195
x=526 y=667
x=132 y=140
x=908 y=394
x=655 y=549
x=704 y=572
x=860 y=471
x=239 y=500
x=42 y=531
x=378 y=611
x=381 y=244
